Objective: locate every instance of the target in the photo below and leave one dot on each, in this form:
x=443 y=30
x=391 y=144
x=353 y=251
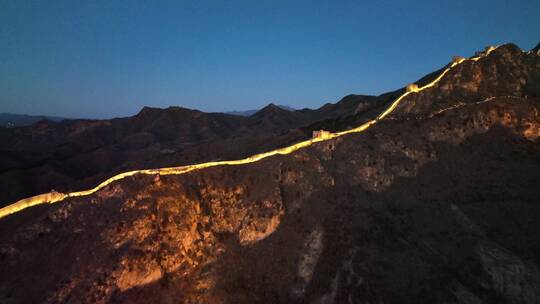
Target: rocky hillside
x=77 y=154
x=436 y=207
x=507 y=71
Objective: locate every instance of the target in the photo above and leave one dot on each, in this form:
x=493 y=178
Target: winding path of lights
x=54 y=197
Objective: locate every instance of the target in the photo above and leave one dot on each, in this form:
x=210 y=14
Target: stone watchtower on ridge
x=321 y=134
x=412 y=87
x=457 y=59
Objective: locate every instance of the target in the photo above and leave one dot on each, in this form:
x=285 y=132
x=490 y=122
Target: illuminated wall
x=53 y=197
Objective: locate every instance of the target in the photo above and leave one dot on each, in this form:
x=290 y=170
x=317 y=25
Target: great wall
x=54 y=197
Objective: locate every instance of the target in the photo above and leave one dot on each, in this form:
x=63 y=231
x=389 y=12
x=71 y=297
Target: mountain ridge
x=154 y=137
x=405 y=208
x=251 y=112
x=271 y=111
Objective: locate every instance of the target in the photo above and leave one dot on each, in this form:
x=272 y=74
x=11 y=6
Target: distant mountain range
x=76 y=153
x=251 y=112
x=9 y=120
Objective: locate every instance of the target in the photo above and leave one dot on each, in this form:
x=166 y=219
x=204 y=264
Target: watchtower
x=412 y=87
x=321 y=134
x=457 y=59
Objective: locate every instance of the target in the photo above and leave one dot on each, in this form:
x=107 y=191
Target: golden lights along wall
x=54 y=197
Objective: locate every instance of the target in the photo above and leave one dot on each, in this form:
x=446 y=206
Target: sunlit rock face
x=440 y=208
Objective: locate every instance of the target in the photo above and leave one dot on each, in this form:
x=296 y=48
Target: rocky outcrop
x=505 y=71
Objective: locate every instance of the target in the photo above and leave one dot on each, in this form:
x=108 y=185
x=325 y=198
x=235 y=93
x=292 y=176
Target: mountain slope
x=78 y=154
x=438 y=204
x=328 y=222
x=507 y=71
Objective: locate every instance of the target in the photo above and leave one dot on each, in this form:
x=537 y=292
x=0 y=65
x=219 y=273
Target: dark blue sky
x=101 y=59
